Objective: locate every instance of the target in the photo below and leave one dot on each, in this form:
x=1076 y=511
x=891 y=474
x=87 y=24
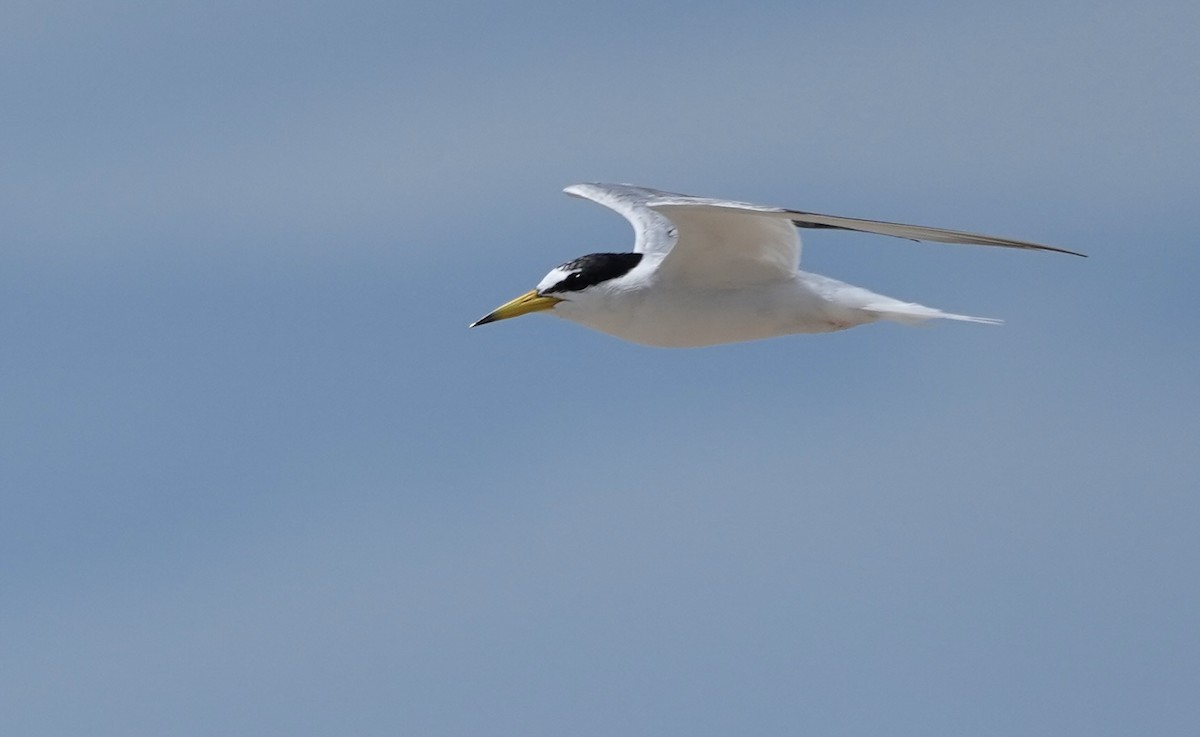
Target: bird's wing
x=880 y=227
x=725 y=243
x=653 y=232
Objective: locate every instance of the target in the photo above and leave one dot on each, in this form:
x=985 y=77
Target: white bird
x=705 y=272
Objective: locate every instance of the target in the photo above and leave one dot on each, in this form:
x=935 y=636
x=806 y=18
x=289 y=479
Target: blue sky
x=257 y=477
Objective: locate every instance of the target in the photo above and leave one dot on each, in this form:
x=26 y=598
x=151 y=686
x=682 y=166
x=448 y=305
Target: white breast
x=669 y=317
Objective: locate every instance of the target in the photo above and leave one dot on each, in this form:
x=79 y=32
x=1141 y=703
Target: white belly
x=684 y=318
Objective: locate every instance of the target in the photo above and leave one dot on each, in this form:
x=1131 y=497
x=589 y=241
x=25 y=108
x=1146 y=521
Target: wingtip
x=1056 y=249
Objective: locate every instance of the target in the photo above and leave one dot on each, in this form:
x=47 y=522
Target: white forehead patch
x=554 y=277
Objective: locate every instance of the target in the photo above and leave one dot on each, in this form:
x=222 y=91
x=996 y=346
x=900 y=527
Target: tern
x=705 y=272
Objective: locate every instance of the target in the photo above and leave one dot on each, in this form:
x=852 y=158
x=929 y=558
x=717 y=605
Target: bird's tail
x=911 y=313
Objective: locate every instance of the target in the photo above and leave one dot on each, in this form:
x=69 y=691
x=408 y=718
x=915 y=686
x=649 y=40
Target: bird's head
x=576 y=282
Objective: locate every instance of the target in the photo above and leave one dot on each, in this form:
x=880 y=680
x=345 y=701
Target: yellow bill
x=531 y=301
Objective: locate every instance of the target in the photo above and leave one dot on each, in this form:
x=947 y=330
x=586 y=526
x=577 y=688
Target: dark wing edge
x=916 y=232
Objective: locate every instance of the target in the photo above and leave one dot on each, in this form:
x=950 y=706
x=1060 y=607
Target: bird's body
x=670 y=316
x=705 y=272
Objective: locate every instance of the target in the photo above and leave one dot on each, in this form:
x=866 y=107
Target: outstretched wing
x=726 y=243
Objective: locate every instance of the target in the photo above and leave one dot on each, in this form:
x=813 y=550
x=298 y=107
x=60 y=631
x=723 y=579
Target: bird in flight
x=705 y=272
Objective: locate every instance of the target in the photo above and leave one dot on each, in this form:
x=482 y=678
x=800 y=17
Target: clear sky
x=257 y=477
